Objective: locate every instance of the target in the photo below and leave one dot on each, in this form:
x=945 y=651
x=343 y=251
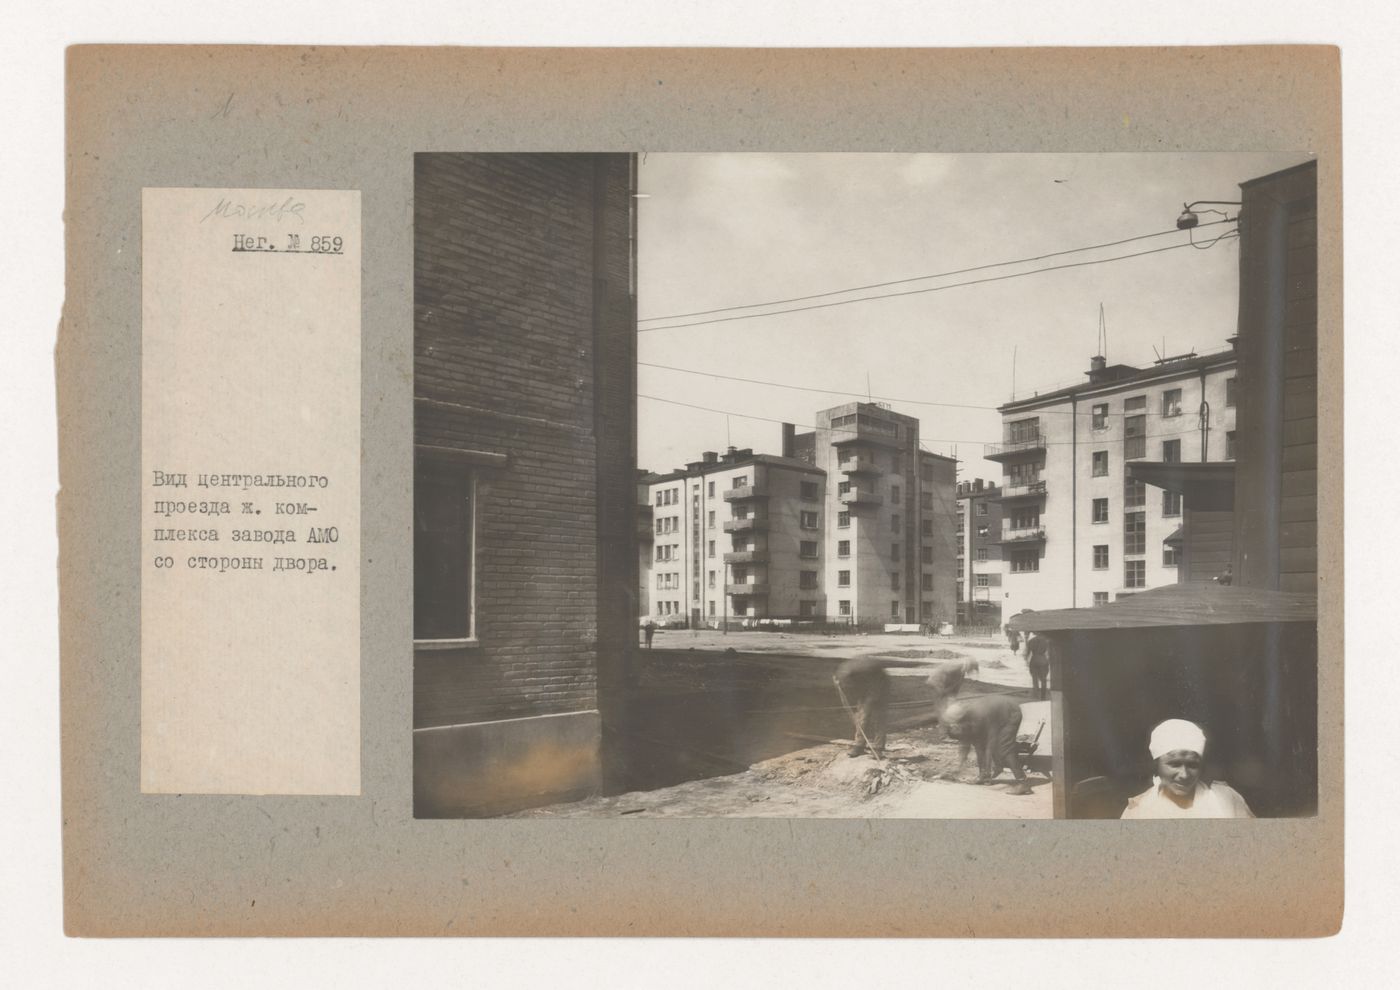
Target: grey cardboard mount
x=317 y=118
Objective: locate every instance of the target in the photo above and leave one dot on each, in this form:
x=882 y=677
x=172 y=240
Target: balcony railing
x=1024 y=490
x=753 y=524
x=746 y=557
x=747 y=590
x=858 y=498
x=1035 y=534
x=1013 y=448
x=743 y=493
x=858 y=465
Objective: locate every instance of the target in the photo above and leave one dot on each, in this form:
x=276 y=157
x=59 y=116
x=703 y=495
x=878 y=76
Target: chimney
x=710 y=457
x=977 y=485
x=789 y=433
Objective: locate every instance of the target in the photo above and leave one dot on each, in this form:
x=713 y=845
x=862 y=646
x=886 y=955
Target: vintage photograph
x=975 y=486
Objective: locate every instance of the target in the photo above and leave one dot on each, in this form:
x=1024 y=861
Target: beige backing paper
x=351 y=119
x=250 y=443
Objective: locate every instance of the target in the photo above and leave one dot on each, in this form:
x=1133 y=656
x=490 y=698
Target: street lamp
x=1189 y=219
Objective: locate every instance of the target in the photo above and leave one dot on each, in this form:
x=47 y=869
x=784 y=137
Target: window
x=926 y=582
x=1170 y=555
x=843 y=607
x=982 y=580
x=1101 y=598
x=1134 y=437
x=1171 y=503
x=1134 y=494
x=712 y=489
x=1025 y=518
x=926 y=472
x=894 y=551
x=711 y=548
x=926 y=555
x=807 y=609
x=660 y=582
x=809 y=548
x=809 y=520
x=894 y=580
x=712 y=579
x=1022 y=474
x=1171 y=451
x=894 y=610
x=1171 y=403
x=843 y=520
x=1134 y=532
x=712 y=609
x=1023 y=430
x=981 y=508
x=1229 y=391
x=981 y=553
x=926 y=501
x=925 y=527
x=1100 y=417
x=660 y=499
x=741 y=574
x=843 y=548
x=894 y=523
x=809 y=492
x=894 y=494
x=1135 y=574
x=1100 y=510
x=1101 y=557
x=1023 y=561
x=984 y=531
x=1230 y=445
x=1100 y=464
x=712 y=519
x=444 y=522
x=741 y=605
x=807 y=580
x=740 y=481
x=843 y=579
x=842 y=487
x=1137 y=403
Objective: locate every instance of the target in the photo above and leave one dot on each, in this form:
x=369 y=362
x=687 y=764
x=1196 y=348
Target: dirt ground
x=765 y=735
x=823 y=782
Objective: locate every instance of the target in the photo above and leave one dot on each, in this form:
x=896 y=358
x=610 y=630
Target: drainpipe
x=1073 y=501
x=1205 y=419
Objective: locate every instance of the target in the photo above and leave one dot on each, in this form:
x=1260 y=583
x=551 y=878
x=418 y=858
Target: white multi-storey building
x=1076 y=531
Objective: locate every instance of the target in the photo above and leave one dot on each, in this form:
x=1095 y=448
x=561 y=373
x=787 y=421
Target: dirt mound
x=923 y=655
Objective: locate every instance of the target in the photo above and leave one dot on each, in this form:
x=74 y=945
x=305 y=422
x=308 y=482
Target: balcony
x=744 y=493
x=858 y=465
x=866 y=433
x=858 y=499
x=746 y=557
x=750 y=525
x=1035 y=534
x=1014 y=448
x=747 y=590
x=1029 y=489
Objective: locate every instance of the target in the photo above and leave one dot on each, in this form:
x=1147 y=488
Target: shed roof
x=1194 y=604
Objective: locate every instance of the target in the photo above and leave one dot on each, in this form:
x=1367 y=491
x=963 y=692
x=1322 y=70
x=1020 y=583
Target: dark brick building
x=525 y=559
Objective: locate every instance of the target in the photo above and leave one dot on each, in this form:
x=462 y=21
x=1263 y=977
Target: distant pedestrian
x=1013 y=639
x=649 y=630
x=1038 y=661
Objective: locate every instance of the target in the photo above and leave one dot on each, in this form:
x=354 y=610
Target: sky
x=726 y=230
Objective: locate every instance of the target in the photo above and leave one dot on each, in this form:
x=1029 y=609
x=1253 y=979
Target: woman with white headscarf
x=1178 y=747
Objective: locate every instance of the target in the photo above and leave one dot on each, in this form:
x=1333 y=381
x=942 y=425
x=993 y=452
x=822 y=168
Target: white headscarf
x=1174 y=734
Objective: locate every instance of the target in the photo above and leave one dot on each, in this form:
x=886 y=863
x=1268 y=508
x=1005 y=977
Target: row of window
x=1171 y=405
x=1136 y=499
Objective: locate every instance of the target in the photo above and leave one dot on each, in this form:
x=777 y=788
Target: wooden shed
x=1240 y=662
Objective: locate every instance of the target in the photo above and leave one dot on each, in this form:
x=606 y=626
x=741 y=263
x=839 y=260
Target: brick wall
x=524 y=346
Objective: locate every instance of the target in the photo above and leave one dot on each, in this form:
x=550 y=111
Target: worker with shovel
x=864 y=688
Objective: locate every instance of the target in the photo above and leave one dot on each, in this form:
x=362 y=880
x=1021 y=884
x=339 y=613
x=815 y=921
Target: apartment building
x=891 y=516
x=1077 y=528
x=736 y=536
x=744 y=537
x=979 y=563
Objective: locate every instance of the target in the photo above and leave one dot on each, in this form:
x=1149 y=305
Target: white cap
x=1174 y=734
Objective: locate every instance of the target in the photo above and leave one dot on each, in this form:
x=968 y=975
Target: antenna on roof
x=868 y=396
x=1013 y=372
x=1103 y=334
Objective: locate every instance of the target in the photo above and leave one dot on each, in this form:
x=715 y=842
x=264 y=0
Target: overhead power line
x=922 y=440
x=921 y=278
x=1087 y=413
